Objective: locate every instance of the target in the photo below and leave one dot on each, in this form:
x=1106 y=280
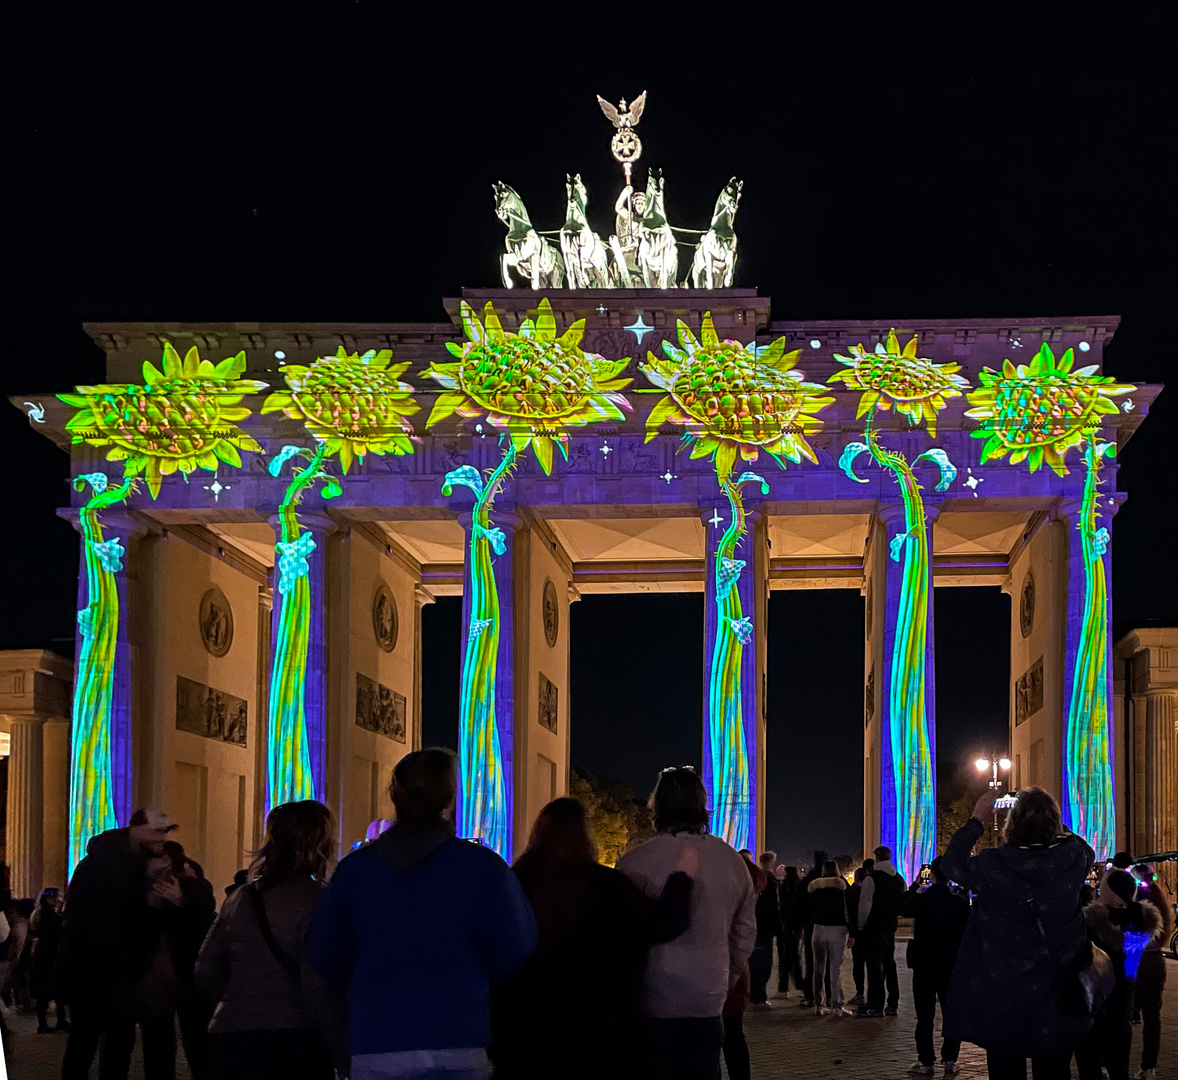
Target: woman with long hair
x=45 y=935
x=578 y=999
x=274 y=1017
x=1025 y=934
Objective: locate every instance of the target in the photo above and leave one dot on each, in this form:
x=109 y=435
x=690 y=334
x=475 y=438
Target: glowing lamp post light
x=994 y=765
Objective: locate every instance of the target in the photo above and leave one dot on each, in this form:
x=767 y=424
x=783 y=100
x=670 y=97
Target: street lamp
x=993 y=765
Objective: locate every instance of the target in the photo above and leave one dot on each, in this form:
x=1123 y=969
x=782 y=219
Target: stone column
x=420 y=598
x=25 y=808
x=1089 y=639
x=315 y=691
x=55 y=789
x=483 y=782
x=744 y=781
x=922 y=831
x=1161 y=771
x=260 y=734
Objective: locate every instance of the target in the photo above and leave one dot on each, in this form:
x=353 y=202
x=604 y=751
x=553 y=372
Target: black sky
x=325 y=161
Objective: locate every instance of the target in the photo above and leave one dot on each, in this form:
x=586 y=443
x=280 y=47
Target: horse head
x=655 y=215
x=727 y=202
x=508 y=205
x=577 y=197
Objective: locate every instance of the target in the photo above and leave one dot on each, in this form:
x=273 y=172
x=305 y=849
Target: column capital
x=266 y=597
x=312 y=522
x=891 y=512
x=1110 y=503
x=422 y=596
x=507 y=518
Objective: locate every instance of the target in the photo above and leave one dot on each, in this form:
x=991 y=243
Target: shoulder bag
x=285 y=960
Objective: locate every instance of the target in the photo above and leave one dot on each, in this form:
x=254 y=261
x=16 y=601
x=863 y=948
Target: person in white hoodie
x=879 y=912
x=688 y=979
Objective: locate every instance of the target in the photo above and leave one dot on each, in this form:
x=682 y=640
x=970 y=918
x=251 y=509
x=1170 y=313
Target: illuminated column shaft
x=476 y=782
x=893 y=830
x=1088 y=796
x=116 y=525
x=743 y=795
x=315 y=689
x=24 y=840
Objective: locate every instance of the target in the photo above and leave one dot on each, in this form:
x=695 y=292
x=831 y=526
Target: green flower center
x=522 y=377
x=1040 y=410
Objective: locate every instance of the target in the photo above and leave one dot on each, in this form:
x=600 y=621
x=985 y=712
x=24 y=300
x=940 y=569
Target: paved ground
x=786 y=1042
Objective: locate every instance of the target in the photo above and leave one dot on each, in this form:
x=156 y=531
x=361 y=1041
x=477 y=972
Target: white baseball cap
x=154 y=819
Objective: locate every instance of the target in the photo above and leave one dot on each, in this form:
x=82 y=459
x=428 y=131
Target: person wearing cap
x=111 y=936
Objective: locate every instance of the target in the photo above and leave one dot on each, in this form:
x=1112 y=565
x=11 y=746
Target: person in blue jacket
x=417 y=926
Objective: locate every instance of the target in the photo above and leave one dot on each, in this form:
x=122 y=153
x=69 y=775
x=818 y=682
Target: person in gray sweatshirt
x=688 y=979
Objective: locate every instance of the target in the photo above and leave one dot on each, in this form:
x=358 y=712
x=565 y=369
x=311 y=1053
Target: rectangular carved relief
x=209 y=713
x=548 y=702
x=379 y=709
x=1028 y=692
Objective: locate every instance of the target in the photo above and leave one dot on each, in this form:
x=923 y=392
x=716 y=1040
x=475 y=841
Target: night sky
x=334 y=161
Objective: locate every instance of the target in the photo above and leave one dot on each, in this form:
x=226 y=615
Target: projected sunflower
x=182 y=418
x=889 y=377
x=733 y=401
x=1037 y=413
x=531 y=386
x=353 y=405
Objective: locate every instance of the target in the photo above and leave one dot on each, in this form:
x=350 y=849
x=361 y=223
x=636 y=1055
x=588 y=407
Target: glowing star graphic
x=91 y=806
x=183 y=419
x=890 y=377
x=606 y=449
x=716 y=520
x=733 y=401
x=1036 y=413
x=972 y=482
x=668 y=476
x=1127 y=407
x=601 y=309
x=354 y=404
x=36 y=411
x=532 y=386
x=216 y=487
x=639 y=329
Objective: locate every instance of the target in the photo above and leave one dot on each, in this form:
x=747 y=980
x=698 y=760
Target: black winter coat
x=828 y=901
x=768 y=912
x=1003 y=993
x=939 y=917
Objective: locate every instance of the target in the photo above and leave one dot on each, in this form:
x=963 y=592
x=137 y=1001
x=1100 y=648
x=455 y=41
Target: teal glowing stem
x=910 y=742
x=726 y=740
x=91 y=793
x=289 y=778
x=1090 y=811
x=484 y=812
x=732 y=809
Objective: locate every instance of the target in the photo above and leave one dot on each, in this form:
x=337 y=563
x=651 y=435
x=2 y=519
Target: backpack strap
x=285 y=960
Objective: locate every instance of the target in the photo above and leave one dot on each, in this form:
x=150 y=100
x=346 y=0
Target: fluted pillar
x=55 y=801
x=1161 y=770
x=259 y=737
x=25 y=806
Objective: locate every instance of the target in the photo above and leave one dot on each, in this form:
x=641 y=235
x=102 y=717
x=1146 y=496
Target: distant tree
x=607 y=818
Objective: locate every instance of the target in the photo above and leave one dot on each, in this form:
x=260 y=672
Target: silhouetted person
x=879 y=915
x=45 y=939
x=1025 y=931
x=1123 y=927
x=688 y=979
x=736 y=1048
x=113 y=956
x=1151 y=975
x=858 y=972
x=586 y=977
x=769 y=930
x=274 y=1018
x=804 y=914
x=416 y=927
x=939 y=917
x=789 y=945
x=828 y=902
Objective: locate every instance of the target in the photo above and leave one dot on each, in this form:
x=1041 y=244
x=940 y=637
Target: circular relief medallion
x=216 y=622
x=1026 y=605
x=384 y=617
x=551 y=614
